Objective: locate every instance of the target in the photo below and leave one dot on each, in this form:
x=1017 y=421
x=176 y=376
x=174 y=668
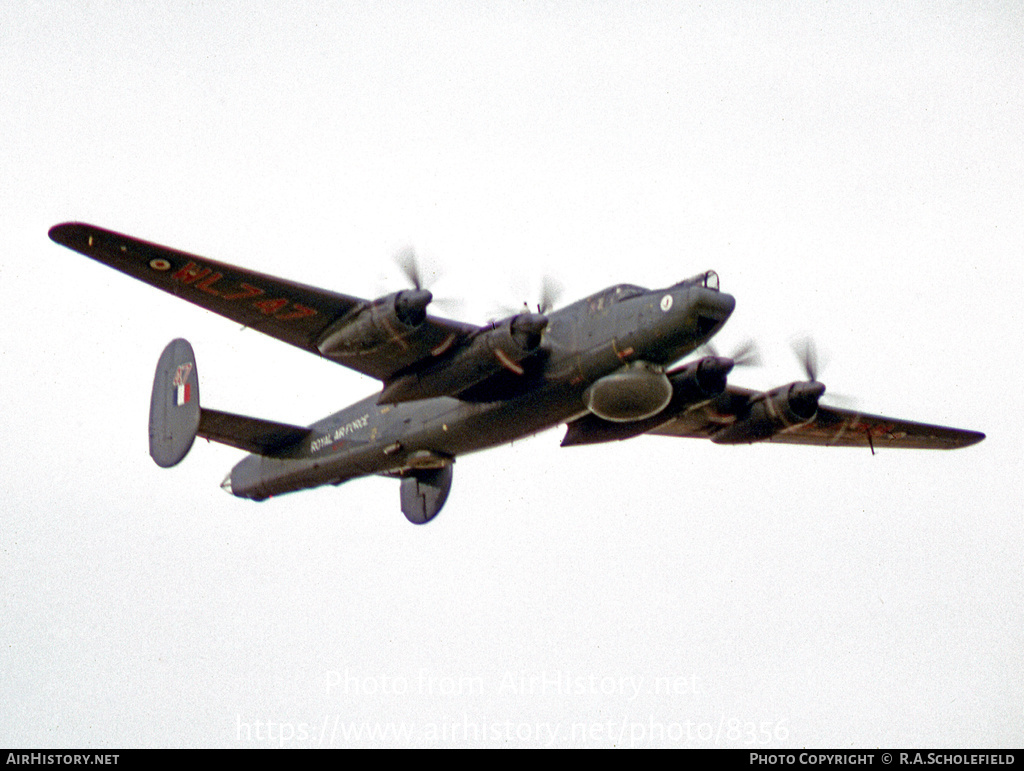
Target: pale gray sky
x=851 y=170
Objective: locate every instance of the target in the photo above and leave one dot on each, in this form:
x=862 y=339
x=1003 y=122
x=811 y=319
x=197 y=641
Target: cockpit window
x=625 y=291
x=612 y=295
x=708 y=280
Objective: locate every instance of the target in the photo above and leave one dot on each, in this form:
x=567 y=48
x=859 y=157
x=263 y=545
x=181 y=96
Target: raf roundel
x=666 y=303
x=160 y=264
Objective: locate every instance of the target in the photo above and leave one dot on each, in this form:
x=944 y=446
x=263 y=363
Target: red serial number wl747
x=205 y=280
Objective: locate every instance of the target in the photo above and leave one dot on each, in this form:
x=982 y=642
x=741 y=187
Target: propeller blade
x=414 y=268
x=405 y=259
x=746 y=353
x=550 y=292
x=807 y=353
x=813 y=362
x=453 y=305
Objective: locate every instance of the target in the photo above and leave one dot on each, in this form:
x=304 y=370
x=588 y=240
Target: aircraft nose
x=710 y=309
x=710 y=304
x=226 y=485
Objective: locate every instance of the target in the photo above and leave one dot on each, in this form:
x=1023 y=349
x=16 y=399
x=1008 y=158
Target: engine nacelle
x=637 y=391
x=377 y=324
x=503 y=346
x=699 y=381
x=768 y=414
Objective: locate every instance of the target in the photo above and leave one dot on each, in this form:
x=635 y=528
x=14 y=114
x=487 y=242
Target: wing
x=830 y=427
x=292 y=312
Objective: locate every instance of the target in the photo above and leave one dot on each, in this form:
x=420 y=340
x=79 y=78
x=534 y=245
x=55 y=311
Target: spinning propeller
x=804 y=397
x=711 y=371
x=411 y=266
x=813 y=363
x=550 y=293
x=746 y=354
x=547 y=298
x=526 y=325
x=807 y=353
x=407 y=261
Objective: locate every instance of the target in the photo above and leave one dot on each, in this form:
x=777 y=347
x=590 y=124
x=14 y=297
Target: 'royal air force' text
x=338 y=434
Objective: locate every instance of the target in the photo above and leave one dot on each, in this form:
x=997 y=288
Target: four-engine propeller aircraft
x=603 y=365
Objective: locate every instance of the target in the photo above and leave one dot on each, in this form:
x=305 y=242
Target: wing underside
x=830 y=427
x=294 y=313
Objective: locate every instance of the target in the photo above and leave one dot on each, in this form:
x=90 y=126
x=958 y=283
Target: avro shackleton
x=604 y=365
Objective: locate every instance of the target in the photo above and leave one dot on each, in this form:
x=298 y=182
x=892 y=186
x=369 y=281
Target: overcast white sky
x=851 y=170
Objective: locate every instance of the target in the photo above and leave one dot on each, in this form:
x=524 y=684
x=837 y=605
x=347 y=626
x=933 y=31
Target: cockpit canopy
x=622 y=292
x=708 y=280
x=615 y=294
x=625 y=291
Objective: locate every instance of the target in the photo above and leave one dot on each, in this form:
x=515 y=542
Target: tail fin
x=174 y=408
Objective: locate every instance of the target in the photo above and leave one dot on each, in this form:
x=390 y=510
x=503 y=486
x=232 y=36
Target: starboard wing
x=830 y=427
x=294 y=313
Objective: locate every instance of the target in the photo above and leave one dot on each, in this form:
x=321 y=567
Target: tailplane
x=175 y=417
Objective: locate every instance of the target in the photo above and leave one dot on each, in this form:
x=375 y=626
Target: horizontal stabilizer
x=263 y=437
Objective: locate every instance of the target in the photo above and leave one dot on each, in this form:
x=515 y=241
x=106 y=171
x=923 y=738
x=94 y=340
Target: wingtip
x=57 y=230
x=966 y=438
x=67 y=233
